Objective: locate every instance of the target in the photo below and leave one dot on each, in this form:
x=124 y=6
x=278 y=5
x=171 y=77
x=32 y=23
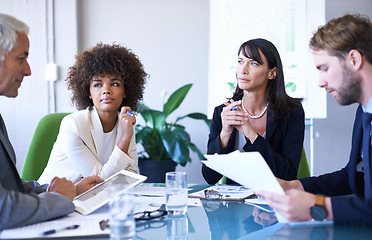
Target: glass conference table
x=230 y=220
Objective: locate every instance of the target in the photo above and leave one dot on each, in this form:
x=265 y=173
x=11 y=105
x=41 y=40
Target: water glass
x=122 y=223
x=176 y=193
x=177 y=227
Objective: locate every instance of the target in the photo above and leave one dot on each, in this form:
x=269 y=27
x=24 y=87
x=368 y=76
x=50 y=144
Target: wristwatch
x=318 y=211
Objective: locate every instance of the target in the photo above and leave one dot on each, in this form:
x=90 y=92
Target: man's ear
x=272 y=73
x=355 y=58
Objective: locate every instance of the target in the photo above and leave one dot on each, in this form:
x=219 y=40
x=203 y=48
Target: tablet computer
x=99 y=195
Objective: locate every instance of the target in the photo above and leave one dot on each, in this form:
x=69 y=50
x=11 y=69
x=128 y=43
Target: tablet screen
x=99 y=195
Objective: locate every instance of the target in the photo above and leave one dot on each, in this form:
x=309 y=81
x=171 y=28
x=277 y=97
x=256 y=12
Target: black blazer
x=281 y=149
x=352 y=209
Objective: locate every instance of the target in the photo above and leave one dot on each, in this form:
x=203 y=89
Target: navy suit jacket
x=281 y=149
x=21 y=202
x=346 y=186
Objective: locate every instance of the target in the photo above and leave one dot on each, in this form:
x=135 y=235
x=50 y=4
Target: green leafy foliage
x=162 y=140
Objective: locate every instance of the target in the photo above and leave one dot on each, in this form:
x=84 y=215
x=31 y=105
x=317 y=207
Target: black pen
x=62 y=229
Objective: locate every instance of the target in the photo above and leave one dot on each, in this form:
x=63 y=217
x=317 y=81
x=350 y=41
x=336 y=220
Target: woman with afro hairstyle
x=107 y=84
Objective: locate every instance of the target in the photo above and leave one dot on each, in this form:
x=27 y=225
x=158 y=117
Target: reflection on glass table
x=231 y=220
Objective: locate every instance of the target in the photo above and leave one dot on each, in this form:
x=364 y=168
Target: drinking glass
x=176 y=193
x=122 y=223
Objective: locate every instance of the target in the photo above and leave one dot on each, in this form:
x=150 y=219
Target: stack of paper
x=246 y=168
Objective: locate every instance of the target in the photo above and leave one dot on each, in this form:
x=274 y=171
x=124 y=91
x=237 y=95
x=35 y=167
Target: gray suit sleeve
x=19 y=209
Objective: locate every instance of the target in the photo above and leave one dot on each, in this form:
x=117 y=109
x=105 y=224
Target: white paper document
x=149 y=191
x=88 y=226
x=247 y=168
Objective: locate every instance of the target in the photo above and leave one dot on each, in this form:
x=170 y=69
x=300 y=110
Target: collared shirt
x=367 y=109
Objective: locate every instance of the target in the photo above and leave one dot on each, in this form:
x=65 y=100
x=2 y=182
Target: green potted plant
x=165 y=144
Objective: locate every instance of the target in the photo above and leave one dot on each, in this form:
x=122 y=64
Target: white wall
x=22 y=114
x=169 y=36
x=171 y=39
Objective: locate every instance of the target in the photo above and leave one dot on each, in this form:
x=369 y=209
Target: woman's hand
x=87 y=183
x=248 y=131
x=127 y=121
x=231 y=118
x=238 y=119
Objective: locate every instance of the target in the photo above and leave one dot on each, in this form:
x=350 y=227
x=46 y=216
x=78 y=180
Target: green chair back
x=41 y=145
x=303 y=168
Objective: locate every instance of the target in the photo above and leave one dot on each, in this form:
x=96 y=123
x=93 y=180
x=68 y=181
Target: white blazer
x=78 y=150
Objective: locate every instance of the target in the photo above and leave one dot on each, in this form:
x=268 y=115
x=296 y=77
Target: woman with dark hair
x=107 y=84
x=260 y=116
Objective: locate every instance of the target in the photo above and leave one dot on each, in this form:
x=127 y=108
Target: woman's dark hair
x=102 y=60
x=278 y=100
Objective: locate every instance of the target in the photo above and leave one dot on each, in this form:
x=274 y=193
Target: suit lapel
x=118 y=129
x=270 y=127
x=97 y=133
x=5 y=141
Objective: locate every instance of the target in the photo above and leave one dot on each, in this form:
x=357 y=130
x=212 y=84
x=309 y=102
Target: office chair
x=303 y=168
x=41 y=145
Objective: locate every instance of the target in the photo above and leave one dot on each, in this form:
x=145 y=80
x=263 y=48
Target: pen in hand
x=62 y=229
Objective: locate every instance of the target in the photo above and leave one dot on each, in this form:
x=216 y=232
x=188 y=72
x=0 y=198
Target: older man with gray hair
x=21 y=202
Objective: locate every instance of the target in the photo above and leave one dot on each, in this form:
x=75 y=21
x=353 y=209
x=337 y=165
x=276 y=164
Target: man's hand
x=87 y=183
x=287 y=185
x=62 y=186
x=294 y=205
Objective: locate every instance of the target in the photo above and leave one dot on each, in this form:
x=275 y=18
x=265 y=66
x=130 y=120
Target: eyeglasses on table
x=140 y=216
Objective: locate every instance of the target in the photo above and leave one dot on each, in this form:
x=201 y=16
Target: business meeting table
x=230 y=220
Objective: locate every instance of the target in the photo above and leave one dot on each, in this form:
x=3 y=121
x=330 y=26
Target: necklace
x=252 y=116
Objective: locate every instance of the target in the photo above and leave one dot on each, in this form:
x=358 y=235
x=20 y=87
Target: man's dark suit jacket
x=21 y=202
x=352 y=209
x=281 y=149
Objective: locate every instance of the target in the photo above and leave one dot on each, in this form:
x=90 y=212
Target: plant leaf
x=196 y=149
x=176 y=99
x=176 y=146
x=154 y=117
x=198 y=116
x=152 y=143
